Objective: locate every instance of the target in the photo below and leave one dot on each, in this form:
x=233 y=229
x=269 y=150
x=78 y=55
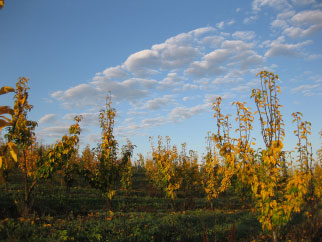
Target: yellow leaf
x=13 y=155
x=0 y=162
x=2 y=124
x=4 y=90
x=13 y=150
x=6 y=110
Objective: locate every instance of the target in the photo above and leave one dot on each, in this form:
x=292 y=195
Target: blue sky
x=164 y=62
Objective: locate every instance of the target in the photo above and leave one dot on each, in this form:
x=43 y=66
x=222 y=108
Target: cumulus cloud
x=244 y=35
x=112 y=73
x=222 y=24
x=173 y=56
x=181 y=113
x=211 y=98
x=250 y=19
x=204 y=30
x=55 y=132
x=247 y=87
x=159 y=102
x=309 y=89
x=130 y=89
x=189 y=86
x=303 y=2
x=307 y=22
x=89 y=119
x=213 y=41
x=143 y=63
x=150 y=122
x=257 y=5
x=211 y=64
x=48 y=119
x=279 y=23
x=234 y=76
x=172 y=80
x=79 y=96
x=278 y=47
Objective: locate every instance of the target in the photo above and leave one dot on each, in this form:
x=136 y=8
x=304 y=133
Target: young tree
x=21 y=133
x=8 y=147
x=165 y=159
x=276 y=193
x=111 y=172
x=33 y=162
x=190 y=175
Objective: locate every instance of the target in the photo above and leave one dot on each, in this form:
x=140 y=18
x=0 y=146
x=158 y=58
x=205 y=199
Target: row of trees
x=38 y=163
x=278 y=183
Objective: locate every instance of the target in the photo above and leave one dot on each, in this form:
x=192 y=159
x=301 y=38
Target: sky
x=164 y=63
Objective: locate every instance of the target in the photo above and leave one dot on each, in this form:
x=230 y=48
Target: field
x=234 y=193
x=80 y=215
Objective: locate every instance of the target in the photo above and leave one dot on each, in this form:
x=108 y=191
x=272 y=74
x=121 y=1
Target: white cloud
x=220 y=25
x=53 y=132
x=211 y=64
x=211 y=98
x=286 y=14
x=279 y=23
x=170 y=81
x=213 y=41
x=236 y=45
x=142 y=63
x=188 y=86
x=79 y=96
x=245 y=87
x=159 y=102
x=231 y=22
x=309 y=89
x=151 y=122
x=48 y=119
x=181 y=113
x=130 y=89
x=278 y=47
x=277 y=4
x=314 y=56
x=116 y=72
x=204 y=30
x=303 y=2
x=233 y=76
x=250 y=19
x=173 y=56
x=89 y=119
x=244 y=35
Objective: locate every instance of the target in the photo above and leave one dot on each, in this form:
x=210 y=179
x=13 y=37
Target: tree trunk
x=109 y=205
x=275 y=239
x=172 y=205
x=212 y=204
x=25 y=208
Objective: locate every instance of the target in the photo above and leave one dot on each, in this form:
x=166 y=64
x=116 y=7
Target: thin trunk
x=275 y=239
x=172 y=205
x=109 y=203
x=26 y=198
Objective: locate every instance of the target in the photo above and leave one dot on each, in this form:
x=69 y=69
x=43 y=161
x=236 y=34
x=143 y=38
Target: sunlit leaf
x=5 y=89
